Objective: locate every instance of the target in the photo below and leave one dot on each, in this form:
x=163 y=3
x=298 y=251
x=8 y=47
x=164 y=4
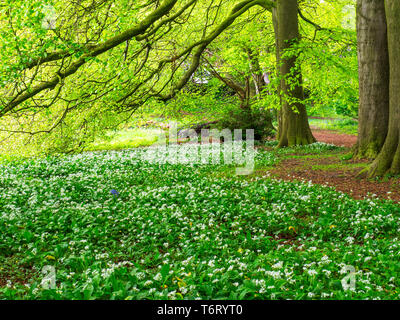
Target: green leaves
x=183 y=232
x=165 y=271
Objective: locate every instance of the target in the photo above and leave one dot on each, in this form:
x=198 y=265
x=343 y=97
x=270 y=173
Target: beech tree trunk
x=373 y=60
x=388 y=160
x=294 y=128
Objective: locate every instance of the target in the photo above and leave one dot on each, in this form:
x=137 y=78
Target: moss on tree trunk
x=388 y=160
x=373 y=60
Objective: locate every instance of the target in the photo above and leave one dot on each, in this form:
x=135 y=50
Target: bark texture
x=388 y=160
x=373 y=60
x=294 y=128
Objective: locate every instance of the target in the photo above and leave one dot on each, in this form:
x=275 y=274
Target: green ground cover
x=183 y=231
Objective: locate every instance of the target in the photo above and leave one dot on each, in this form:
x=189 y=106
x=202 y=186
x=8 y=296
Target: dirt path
x=338 y=174
x=335 y=172
x=335 y=138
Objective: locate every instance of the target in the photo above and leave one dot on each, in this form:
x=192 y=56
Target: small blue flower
x=115 y=192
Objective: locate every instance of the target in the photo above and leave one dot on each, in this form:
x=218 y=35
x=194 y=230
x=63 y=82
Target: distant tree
x=98 y=64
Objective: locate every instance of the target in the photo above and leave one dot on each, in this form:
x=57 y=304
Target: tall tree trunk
x=388 y=160
x=294 y=128
x=373 y=60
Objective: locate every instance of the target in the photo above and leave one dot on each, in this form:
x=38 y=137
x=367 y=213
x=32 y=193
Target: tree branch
x=161 y=11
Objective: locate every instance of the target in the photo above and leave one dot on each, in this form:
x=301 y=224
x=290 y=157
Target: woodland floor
x=334 y=170
x=333 y=137
x=108 y=246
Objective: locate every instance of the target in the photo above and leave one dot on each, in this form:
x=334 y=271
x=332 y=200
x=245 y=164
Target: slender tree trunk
x=388 y=160
x=278 y=61
x=294 y=129
x=373 y=60
x=256 y=73
x=258 y=86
